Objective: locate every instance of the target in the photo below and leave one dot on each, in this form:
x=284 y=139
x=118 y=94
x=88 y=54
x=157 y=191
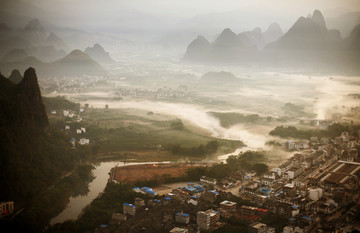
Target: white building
x=207 y=219
x=315 y=194
x=78 y=131
x=207 y=181
x=66 y=113
x=84 y=141
x=67 y=127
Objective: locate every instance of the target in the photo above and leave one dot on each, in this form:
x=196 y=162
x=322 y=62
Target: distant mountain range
x=33 y=40
x=307 y=44
x=33 y=46
x=75 y=63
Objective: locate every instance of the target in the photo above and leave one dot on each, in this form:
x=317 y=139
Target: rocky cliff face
x=30 y=106
x=22 y=109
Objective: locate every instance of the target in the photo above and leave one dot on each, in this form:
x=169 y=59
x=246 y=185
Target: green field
x=140 y=135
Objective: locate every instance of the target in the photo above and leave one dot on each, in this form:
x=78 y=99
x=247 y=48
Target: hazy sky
x=189 y=8
x=112 y=15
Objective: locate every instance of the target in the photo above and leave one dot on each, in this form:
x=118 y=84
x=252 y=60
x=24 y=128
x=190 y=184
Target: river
x=77 y=204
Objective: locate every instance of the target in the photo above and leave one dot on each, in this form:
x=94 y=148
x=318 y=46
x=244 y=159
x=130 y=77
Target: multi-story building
x=258 y=227
x=6 y=208
x=315 y=194
x=139 y=202
x=182 y=217
x=129 y=209
x=227 y=208
x=210 y=195
x=207 y=219
x=248 y=210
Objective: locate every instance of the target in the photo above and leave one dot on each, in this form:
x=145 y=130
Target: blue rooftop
x=189 y=188
x=294 y=207
x=307 y=218
x=167 y=198
x=266 y=191
x=131 y=205
x=150 y=192
x=184 y=214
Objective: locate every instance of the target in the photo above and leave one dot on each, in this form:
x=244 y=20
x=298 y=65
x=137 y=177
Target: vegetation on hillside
x=59 y=103
x=248 y=161
x=333 y=130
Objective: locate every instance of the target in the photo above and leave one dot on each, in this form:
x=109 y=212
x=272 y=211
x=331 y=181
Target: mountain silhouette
x=198 y=49
x=15 y=55
x=98 y=53
x=318 y=18
x=252 y=38
x=304 y=34
x=273 y=33
x=75 y=63
x=15 y=76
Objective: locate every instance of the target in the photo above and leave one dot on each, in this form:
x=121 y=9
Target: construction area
x=132 y=174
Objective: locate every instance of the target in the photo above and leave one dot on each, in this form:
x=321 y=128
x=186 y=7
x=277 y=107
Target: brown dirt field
x=131 y=174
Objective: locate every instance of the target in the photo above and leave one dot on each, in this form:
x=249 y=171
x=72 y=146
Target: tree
x=260 y=168
x=177 y=125
x=212 y=147
x=106 y=106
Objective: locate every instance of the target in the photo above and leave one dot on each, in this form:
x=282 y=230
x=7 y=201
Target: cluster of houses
x=316 y=190
x=69 y=114
x=313 y=186
x=184 y=209
x=160 y=93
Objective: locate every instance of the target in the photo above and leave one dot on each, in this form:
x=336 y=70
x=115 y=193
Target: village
x=115 y=90
x=316 y=190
